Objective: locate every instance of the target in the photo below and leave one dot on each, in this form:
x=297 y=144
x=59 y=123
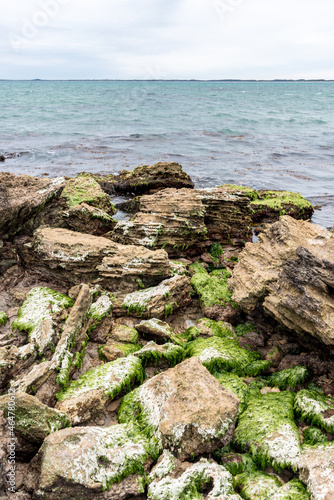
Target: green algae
x=113 y=378
x=263 y=486
x=212 y=289
x=267 y=430
x=206 y=327
x=216 y=251
x=84 y=189
x=313 y=436
x=125 y=348
x=153 y=353
x=235 y=463
x=218 y=353
x=243 y=329
x=3 y=319
x=282 y=202
x=290 y=377
x=99 y=310
x=315 y=408
x=235 y=384
x=247 y=191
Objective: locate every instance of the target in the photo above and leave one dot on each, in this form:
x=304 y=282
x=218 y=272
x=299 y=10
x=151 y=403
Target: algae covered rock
x=159 y=301
x=261 y=486
x=92 y=462
x=174 y=480
x=316 y=470
x=123 y=333
x=113 y=350
x=235 y=384
x=155 y=329
x=315 y=408
x=3 y=319
x=268 y=430
x=91 y=393
x=154 y=354
x=84 y=189
x=184 y=410
x=87 y=219
x=290 y=377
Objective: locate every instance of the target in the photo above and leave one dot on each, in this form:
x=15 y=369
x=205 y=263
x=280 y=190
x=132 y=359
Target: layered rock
x=290 y=273
x=72 y=258
x=184 y=410
x=183 y=221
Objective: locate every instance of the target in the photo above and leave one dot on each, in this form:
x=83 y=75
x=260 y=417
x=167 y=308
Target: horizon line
x=278 y=80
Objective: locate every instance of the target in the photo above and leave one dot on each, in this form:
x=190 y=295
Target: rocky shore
x=175 y=344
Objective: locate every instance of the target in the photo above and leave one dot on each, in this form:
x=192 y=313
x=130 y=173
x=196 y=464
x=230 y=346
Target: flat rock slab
x=184 y=410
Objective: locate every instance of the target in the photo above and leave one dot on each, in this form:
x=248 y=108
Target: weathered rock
x=171 y=479
x=91 y=393
x=86 y=219
x=155 y=329
x=261 y=486
x=185 y=221
x=156 y=355
x=316 y=470
x=316 y=409
x=122 y=333
x=184 y=410
x=21 y=198
x=113 y=350
x=159 y=301
x=72 y=258
x=85 y=189
x=290 y=273
x=91 y=463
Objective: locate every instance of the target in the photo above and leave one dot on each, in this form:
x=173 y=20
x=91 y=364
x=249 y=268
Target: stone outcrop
x=21 y=199
x=87 y=219
x=185 y=221
x=72 y=258
x=184 y=410
x=290 y=274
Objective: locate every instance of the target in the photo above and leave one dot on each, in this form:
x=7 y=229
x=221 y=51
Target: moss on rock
x=84 y=189
x=3 y=318
x=313 y=436
x=235 y=384
x=267 y=487
x=315 y=408
x=153 y=353
x=212 y=289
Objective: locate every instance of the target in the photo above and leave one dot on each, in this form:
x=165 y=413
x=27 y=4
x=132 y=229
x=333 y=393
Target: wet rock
x=184 y=410
x=171 y=479
x=93 y=391
x=159 y=301
x=71 y=258
x=22 y=198
x=316 y=409
x=91 y=462
x=153 y=354
x=185 y=221
x=290 y=273
x=316 y=470
x=113 y=350
x=155 y=329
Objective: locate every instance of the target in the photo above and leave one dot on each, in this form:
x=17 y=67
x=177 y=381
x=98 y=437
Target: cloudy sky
x=149 y=39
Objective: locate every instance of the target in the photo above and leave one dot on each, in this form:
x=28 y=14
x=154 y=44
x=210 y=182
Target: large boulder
x=71 y=258
x=91 y=463
x=290 y=274
x=21 y=198
x=184 y=410
x=185 y=220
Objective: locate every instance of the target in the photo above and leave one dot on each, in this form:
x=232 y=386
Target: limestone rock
x=85 y=189
x=72 y=258
x=122 y=333
x=92 y=463
x=155 y=329
x=91 y=393
x=316 y=470
x=184 y=410
x=113 y=350
x=22 y=198
x=184 y=220
x=86 y=219
x=259 y=485
x=159 y=301
x=290 y=273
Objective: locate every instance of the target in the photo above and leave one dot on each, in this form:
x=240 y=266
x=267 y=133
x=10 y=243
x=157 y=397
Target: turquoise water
x=265 y=135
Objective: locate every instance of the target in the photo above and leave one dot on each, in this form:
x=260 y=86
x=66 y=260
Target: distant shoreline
x=174 y=80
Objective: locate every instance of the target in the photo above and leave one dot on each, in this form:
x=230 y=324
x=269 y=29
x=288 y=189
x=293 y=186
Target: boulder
x=86 y=219
x=85 y=190
x=155 y=329
x=258 y=485
x=159 y=301
x=60 y=255
x=316 y=470
x=91 y=463
x=184 y=410
x=113 y=350
x=22 y=198
x=186 y=221
x=290 y=274
x=123 y=333
x=153 y=354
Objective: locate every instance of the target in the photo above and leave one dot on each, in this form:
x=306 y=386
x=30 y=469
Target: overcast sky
x=149 y=39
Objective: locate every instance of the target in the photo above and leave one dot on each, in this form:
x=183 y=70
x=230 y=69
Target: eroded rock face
x=316 y=470
x=183 y=220
x=184 y=410
x=290 y=273
x=86 y=219
x=91 y=462
x=21 y=198
x=72 y=258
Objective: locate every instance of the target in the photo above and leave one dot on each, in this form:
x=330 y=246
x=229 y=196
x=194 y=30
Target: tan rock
x=316 y=470
x=86 y=219
x=155 y=329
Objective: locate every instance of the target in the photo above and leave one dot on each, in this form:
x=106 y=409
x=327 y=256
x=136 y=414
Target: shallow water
x=265 y=135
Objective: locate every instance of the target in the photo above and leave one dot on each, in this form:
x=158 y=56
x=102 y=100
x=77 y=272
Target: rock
x=207 y=328
x=171 y=479
x=290 y=274
x=155 y=329
x=215 y=296
x=86 y=219
x=122 y=333
x=22 y=198
x=2 y=158
x=268 y=430
x=9 y=356
x=156 y=355
x=90 y=395
x=316 y=470
x=185 y=221
x=91 y=463
x=85 y=189
x=235 y=384
x=159 y=301
x=260 y=486
x=184 y=410
x=34 y=421
x=71 y=258
x=316 y=409
x=113 y=350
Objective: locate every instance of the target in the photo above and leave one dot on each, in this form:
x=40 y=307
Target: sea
x=266 y=135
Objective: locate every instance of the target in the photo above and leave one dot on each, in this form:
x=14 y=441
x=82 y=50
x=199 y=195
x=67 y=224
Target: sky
x=166 y=39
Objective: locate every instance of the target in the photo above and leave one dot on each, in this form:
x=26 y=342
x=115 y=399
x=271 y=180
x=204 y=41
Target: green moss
x=235 y=384
x=3 y=318
x=212 y=290
x=290 y=377
x=243 y=329
x=265 y=487
x=206 y=327
x=216 y=251
x=168 y=309
x=124 y=347
x=267 y=430
x=247 y=191
x=84 y=189
x=315 y=408
x=153 y=353
x=283 y=202
x=313 y=436
x=218 y=353
x=113 y=378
